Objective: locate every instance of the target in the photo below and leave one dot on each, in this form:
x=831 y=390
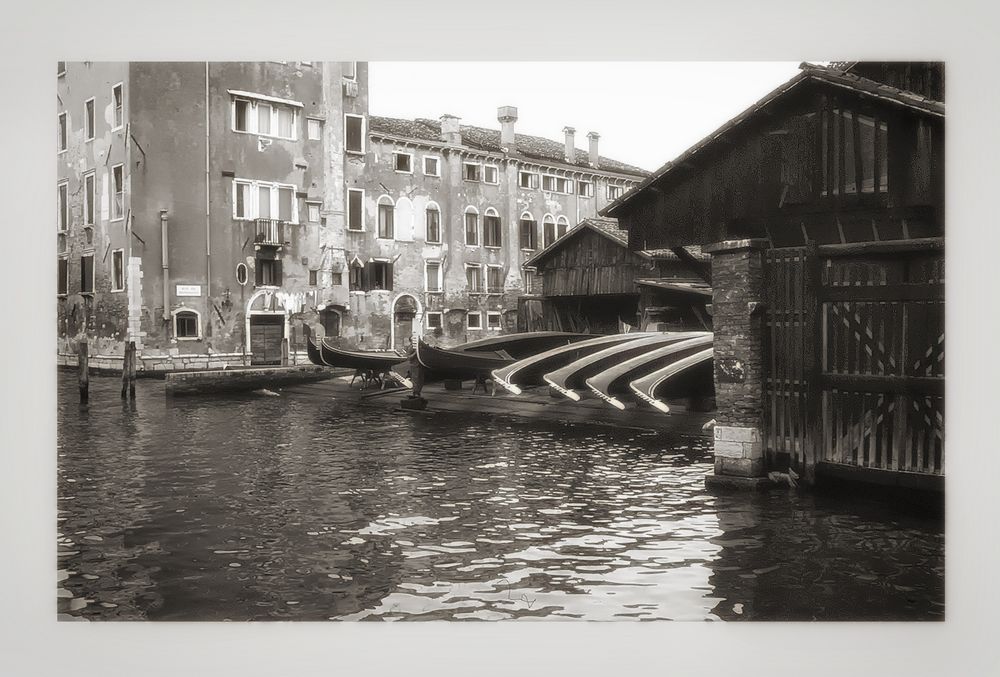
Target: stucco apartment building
x=209 y=210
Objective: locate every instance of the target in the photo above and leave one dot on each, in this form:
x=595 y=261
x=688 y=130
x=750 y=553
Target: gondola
x=612 y=383
x=529 y=371
x=459 y=364
x=690 y=376
x=370 y=367
x=566 y=380
x=524 y=344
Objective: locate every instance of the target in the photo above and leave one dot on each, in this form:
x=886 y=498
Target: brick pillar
x=737 y=322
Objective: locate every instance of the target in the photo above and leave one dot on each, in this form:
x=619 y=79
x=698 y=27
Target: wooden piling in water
x=130 y=351
x=284 y=352
x=83 y=370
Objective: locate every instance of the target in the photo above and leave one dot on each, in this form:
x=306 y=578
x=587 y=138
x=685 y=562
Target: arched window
x=529 y=231
x=356 y=281
x=432 y=221
x=472 y=226
x=187 y=324
x=548 y=230
x=386 y=227
x=492 y=229
x=562 y=225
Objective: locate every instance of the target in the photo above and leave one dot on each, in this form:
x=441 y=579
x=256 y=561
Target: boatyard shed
x=822 y=206
x=591 y=281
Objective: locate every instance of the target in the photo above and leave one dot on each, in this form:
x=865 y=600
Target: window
x=88 y=120
x=241 y=274
x=470 y=171
x=557 y=184
x=118 y=270
x=494 y=279
x=614 y=192
x=380 y=275
x=529 y=232
x=63 y=206
x=349 y=69
x=471 y=226
x=62 y=286
x=492 y=230
x=474 y=320
x=403 y=162
x=527 y=180
x=385 y=218
x=118 y=192
x=433 y=320
x=473 y=278
x=356 y=280
x=312 y=212
x=491 y=174
x=492 y=320
x=268 y=273
x=432 y=270
x=186 y=324
x=854 y=141
x=336 y=280
x=548 y=230
x=313 y=278
x=585 y=189
x=314 y=129
x=433 y=215
x=264 y=200
x=265 y=117
x=87 y=274
x=355 y=209
x=432 y=166
x=118 y=99
x=562 y=225
x=89 y=198
x=354 y=134
x=63 y=133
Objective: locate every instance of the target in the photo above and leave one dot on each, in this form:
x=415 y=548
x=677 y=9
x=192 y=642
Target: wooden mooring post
x=83 y=370
x=284 y=352
x=128 y=371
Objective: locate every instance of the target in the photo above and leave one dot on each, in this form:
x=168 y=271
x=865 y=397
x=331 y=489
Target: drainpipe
x=208 y=208
x=165 y=258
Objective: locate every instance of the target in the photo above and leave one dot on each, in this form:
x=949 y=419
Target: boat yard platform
x=532 y=404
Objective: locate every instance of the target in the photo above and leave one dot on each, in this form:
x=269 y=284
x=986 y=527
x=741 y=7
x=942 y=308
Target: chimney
x=507 y=115
x=570 y=144
x=595 y=159
x=451 y=132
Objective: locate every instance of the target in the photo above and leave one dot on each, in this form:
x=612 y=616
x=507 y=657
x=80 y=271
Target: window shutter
x=258 y=273
x=277 y=272
x=388 y=276
x=366 y=278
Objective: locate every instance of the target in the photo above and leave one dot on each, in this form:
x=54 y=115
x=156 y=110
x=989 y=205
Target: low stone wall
x=243 y=379
x=157 y=365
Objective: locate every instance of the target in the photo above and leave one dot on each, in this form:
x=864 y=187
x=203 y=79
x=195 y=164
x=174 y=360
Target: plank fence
x=854 y=357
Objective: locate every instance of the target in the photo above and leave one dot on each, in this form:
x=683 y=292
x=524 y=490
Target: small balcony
x=269 y=233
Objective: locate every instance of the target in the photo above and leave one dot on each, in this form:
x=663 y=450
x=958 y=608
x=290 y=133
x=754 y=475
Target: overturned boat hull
x=458 y=364
x=690 y=376
x=612 y=384
x=524 y=344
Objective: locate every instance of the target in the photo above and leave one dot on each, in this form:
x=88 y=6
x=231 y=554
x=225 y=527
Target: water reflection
x=262 y=508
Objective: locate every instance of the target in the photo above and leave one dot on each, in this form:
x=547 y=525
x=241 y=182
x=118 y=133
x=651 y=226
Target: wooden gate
x=854 y=358
x=266 y=332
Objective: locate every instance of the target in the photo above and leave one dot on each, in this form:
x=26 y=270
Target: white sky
x=647 y=113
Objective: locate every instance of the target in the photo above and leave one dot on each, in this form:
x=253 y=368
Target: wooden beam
x=887 y=292
x=925 y=244
x=900 y=385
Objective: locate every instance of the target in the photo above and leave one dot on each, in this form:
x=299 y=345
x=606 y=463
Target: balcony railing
x=269 y=232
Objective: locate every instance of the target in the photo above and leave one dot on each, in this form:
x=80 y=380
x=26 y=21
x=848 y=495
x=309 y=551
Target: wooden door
x=266 y=332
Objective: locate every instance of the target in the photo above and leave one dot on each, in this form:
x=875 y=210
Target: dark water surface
x=296 y=507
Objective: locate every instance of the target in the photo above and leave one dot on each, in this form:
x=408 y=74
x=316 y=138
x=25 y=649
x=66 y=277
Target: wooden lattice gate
x=854 y=358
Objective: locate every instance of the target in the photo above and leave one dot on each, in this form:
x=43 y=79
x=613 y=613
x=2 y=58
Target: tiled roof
x=481 y=138
x=824 y=74
x=610 y=229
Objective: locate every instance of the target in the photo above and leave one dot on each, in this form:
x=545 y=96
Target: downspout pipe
x=165 y=259
x=208 y=203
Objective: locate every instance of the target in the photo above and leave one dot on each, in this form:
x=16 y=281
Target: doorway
x=266 y=333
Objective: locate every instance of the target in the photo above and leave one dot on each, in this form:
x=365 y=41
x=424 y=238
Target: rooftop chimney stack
x=570 y=144
x=451 y=130
x=595 y=159
x=507 y=115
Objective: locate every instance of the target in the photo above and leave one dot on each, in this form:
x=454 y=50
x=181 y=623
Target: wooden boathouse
x=822 y=207
x=589 y=280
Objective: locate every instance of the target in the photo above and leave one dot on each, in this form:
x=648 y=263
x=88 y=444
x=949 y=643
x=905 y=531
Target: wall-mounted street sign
x=189 y=290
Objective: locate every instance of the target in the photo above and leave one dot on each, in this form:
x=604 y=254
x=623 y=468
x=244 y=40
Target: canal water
x=304 y=508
